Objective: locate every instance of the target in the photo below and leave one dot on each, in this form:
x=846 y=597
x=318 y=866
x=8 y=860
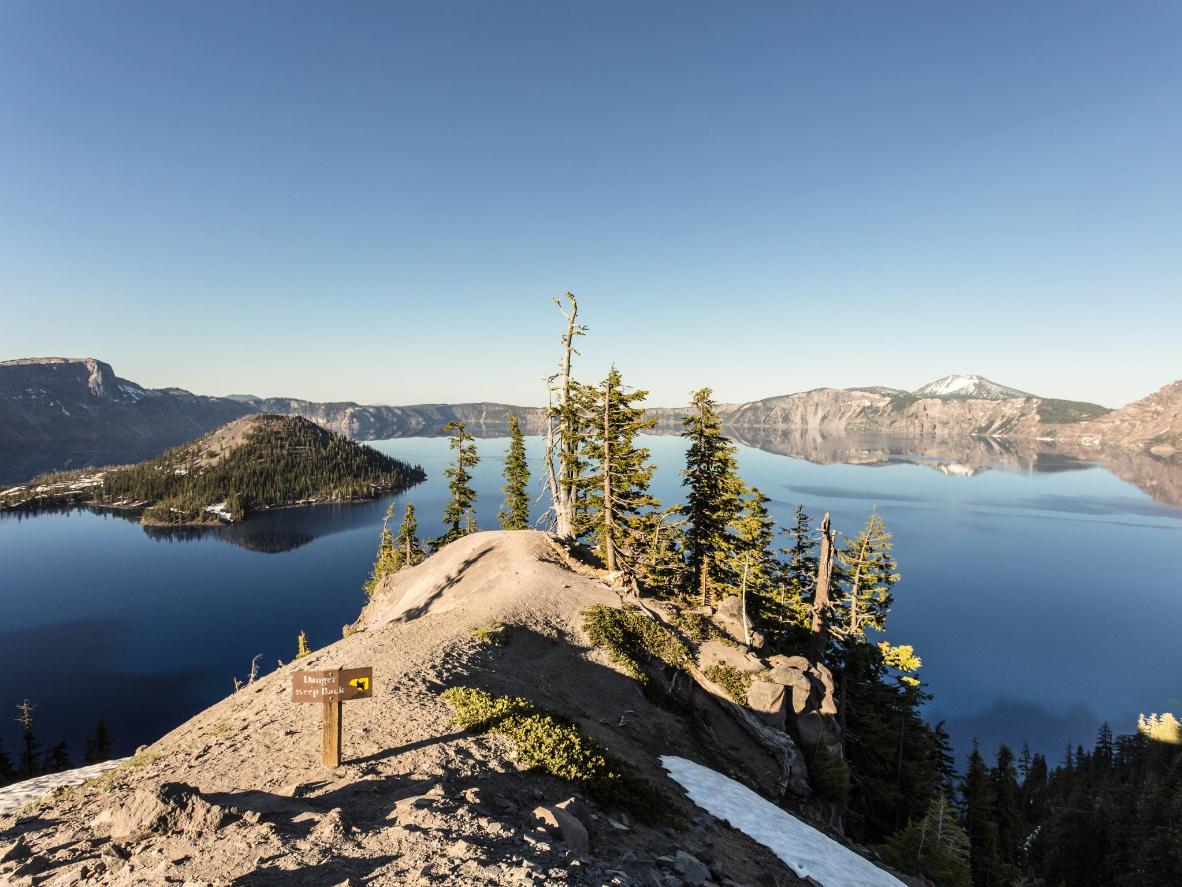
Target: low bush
x=546 y=742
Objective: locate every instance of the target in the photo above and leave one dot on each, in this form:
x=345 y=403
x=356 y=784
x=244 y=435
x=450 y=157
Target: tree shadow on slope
x=448 y=583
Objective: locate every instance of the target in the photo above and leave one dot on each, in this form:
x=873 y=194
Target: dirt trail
x=417 y=801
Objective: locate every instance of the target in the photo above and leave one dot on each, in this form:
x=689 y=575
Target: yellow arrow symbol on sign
x=361 y=684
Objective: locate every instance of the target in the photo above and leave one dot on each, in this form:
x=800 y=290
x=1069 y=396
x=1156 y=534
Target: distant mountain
x=250 y=464
x=1152 y=424
x=54 y=399
x=361 y=422
x=968 y=387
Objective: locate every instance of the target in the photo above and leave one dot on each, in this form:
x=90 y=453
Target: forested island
x=250 y=464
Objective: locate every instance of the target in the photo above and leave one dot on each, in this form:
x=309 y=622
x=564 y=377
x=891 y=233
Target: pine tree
x=57 y=759
x=514 y=515
x=98 y=745
x=978 y=806
x=30 y=762
x=868 y=573
x=459 y=515
x=408 y=552
x=563 y=428
x=303 y=648
x=388 y=557
x=6 y=772
x=714 y=498
x=795 y=584
x=752 y=558
x=615 y=494
x=1007 y=813
x=934 y=845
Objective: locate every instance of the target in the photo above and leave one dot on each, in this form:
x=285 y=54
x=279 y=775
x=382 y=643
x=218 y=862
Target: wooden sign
x=332 y=687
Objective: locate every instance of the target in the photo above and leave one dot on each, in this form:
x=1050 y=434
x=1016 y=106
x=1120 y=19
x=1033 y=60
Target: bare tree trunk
x=820 y=626
x=704 y=579
x=609 y=545
x=562 y=485
x=852 y=635
x=743 y=602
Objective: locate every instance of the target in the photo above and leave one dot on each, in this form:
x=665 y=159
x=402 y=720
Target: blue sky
x=376 y=201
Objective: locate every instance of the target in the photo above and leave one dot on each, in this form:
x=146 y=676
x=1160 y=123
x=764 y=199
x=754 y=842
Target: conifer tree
x=6 y=772
x=752 y=557
x=514 y=515
x=459 y=515
x=978 y=806
x=408 y=552
x=303 y=648
x=934 y=845
x=57 y=759
x=615 y=492
x=563 y=428
x=387 y=560
x=868 y=572
x=1007 y=813
x=796 y=581
x=30 y=761
x=714 y=498
x=98 y=745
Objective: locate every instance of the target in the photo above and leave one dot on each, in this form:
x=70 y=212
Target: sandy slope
x=417 y=801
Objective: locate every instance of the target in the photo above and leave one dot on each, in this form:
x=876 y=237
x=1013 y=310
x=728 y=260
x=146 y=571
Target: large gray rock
x=692 y=870
x=716 y=652
x=562 y=824
x=171 y=807
x=769 y=702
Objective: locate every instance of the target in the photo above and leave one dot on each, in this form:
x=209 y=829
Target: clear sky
x=376 y=201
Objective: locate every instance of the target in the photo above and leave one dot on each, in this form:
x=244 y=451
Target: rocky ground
x=237 y=795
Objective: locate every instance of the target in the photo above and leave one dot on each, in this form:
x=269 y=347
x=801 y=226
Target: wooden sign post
x=332 y=688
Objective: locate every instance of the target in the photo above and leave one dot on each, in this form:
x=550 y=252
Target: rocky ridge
x=236 y=795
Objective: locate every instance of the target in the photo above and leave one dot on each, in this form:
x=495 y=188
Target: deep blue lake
x=1042 y=601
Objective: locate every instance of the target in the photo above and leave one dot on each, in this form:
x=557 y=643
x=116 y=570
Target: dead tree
x=561 y=431
x=821 y=604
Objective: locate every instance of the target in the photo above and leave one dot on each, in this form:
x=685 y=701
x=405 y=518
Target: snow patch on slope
x=808 y=852
x=968 y=385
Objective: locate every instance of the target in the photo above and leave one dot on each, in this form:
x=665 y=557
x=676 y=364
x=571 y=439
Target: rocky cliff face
x=81 y=399
x=1152 y=424
x=361 y=422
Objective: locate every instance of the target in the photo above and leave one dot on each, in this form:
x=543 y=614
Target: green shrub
x=732 y=680
x=492 y=635
x=697 y=628
x=629 y=637
x=546 y=742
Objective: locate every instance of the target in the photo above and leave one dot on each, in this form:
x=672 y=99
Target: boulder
x=561 y=824
x=822 y=699
x=716 y=652
x=813 y=727
x=692 y=870
x=170 y=807
x=769 y=702
x=800 y=663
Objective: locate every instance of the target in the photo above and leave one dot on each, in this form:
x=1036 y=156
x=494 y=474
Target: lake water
x=1042 y=592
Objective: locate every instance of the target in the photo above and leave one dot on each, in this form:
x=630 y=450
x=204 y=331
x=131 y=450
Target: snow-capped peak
x=968 y=385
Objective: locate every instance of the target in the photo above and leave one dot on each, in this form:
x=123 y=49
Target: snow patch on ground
x=808 y=852
x=15 y=796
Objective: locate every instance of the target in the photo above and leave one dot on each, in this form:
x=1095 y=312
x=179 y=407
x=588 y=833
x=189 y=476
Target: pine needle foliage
x=459 y=515
x=387 y=560
x=514 y=514
x=408 y=551
x=302 y=647
x=713 y=500
x=614 y=491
